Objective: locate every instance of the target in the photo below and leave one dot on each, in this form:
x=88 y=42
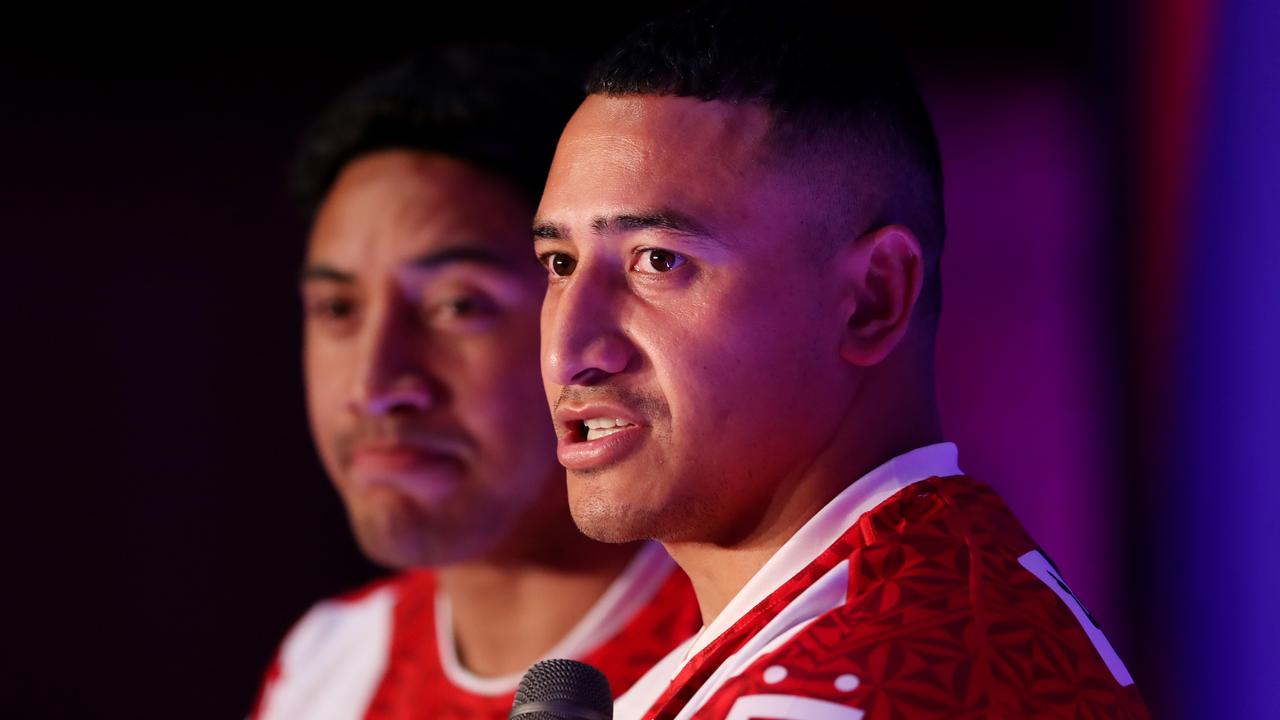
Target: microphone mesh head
x=566 y=682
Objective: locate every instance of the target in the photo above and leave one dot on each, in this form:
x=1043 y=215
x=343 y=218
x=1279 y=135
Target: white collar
x=826 y=527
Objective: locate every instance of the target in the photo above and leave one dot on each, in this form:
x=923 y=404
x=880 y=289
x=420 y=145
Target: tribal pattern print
x=952 y=612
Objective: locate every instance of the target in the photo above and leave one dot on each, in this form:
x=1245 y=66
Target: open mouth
x=597 y=437
x=596 y=428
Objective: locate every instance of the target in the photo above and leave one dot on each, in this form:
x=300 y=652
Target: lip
x=427 y=474
x=400 y=457
x=577 y=453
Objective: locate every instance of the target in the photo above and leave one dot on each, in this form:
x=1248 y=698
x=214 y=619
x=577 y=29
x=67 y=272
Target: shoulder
x=950 y=610
x=333 y=624
x=337 y=651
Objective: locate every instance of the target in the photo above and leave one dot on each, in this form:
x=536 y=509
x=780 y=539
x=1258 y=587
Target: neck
x=864 y=441
x=513 y=606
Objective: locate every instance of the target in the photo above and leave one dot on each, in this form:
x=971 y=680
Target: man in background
x=742 y=230
x=421 y=345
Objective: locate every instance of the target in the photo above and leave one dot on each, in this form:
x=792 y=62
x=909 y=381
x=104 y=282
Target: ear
x=883 y=273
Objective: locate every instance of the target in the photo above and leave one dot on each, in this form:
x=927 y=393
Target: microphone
x=562 y=690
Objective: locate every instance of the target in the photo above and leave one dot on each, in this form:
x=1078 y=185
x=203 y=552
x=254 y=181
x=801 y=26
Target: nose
x=393 y=377
x=582 y=341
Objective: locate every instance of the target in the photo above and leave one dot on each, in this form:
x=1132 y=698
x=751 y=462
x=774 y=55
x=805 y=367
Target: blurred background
x=1108 y=357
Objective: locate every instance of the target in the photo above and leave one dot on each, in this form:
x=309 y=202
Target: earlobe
x=884 y=274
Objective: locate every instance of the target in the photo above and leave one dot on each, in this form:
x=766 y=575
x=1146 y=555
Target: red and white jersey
x=914 y=594
x=387 y=651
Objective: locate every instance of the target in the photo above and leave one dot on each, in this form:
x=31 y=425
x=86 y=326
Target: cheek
x=744 y=364
x=547 y=330
x=504 y=412
x=326 y=394
x=499 y=390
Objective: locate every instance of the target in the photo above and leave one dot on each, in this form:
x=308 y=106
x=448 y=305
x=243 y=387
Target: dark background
x=166 y=519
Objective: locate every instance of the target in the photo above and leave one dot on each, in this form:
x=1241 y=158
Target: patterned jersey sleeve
x=952 y=619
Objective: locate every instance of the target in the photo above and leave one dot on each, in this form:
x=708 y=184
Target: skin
x=724 y=299
x=422 y=390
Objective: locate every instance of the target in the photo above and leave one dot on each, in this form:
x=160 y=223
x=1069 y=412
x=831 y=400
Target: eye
x=654 y=260
x=467 y=306
x=331 y=309
x=558 y=264
x=331 y=315
x=460 y=310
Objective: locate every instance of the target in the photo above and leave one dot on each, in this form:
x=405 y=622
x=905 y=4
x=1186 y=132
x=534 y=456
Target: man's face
x=690 y=343
x=421 y=338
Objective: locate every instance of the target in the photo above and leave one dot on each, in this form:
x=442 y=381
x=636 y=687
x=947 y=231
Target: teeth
x=605 y=423
x=604 y=427
x=596 y=434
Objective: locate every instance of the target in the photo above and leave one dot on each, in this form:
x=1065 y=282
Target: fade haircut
x=499 y=108
x=833 y=89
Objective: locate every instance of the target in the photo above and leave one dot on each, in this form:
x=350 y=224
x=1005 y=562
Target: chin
x=609 y=521
x=607 y=530
x=397 y=534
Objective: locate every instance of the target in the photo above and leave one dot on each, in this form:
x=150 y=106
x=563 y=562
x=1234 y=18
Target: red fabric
x=415 y=685
x=941 y=621
x=269 y=678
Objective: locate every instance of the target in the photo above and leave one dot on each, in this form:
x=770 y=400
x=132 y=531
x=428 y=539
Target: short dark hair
x=827 y=79
x=500 y=108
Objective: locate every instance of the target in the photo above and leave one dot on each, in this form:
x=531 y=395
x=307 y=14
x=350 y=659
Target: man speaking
x=742 y=230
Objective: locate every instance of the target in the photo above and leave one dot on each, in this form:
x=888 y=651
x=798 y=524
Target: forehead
x=703 y=157
x=389 y=206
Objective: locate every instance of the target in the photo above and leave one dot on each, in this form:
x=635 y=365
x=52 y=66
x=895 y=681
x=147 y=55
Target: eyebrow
x=454 y=255
x=663 y=219
x=313 y=272
x=430 y=261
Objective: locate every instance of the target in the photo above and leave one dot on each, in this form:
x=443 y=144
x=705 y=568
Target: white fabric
x=828 y=593
x=333 y=659
x=1039 y=565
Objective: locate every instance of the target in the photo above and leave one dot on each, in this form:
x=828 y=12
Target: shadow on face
x=421 y=341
